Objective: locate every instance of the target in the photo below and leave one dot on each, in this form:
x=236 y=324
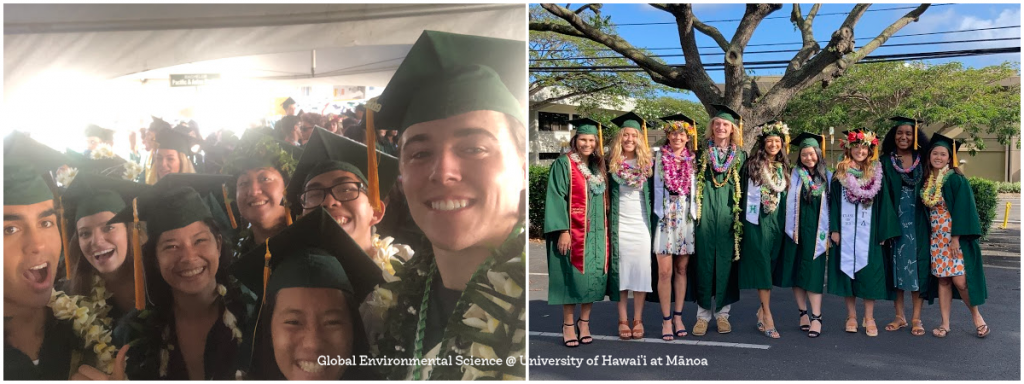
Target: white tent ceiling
x=64 y=56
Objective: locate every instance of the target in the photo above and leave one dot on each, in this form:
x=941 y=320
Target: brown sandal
x=851 y=328
x=897 y=324
x=940 y=332
x=917 y=329
x=870 y=330
x=983 y=331
x=624 y=333
x=638 y=329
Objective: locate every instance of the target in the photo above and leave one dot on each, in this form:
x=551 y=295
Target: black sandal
x=813 y=334
x=584 y=339
x=684 y=333
x=807 y=327
x=667 y=336
x=576 y=331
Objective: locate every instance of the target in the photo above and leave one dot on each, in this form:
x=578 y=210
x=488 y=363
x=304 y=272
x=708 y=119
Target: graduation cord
x=421 y=324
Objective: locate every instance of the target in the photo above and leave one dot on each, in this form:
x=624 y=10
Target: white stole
x=793 y=214
x=753 y=203
x=855 y=234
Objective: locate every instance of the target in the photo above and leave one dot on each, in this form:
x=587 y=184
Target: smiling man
x=462 y=160
x=36 y=344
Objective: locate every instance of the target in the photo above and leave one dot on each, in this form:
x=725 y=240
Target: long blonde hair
x=186 y=167
x=847 y=162
x=643 y=153
x=709 y=132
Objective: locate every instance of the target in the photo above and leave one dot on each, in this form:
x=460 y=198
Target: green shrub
x=538 y=192
x=985 y=197
x=1005 y=187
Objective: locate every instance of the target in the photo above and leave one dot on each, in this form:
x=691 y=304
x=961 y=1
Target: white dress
x=674 y=233
x=634 y=240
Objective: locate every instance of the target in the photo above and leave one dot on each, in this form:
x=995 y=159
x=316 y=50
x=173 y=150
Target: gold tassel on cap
x=373 y=190
x=956 y=163
x=739 y=138
x=915 y=135
x=266 y=268
x=694 y=138
x=287 y=216
x=140 y=292
x=823 y=151
x=227 y=206
x=644 y=125
x=785 y=144
x=64 y=238
x=600 y=140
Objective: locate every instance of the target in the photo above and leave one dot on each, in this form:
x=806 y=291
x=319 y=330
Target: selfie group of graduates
x=697 y=219
x=285 y=262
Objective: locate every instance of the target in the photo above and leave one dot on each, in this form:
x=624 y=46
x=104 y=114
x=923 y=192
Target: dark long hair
x=818 y=174
x=158 y=291
x=595 y=159
x=759 y=159
x=889 y=143
x=264 y=361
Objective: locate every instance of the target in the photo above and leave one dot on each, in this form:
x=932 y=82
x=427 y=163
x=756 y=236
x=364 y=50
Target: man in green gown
x=456 y=101
x=719 y=228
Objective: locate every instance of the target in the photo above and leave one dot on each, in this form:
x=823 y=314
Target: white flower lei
x=91 y=322
x=229 y=320
x=131 y=171
x=771 y=188
x=595 y=182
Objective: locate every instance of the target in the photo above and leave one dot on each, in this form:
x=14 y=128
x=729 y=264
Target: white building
x=549 y=125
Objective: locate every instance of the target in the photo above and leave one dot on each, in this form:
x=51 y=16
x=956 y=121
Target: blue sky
x=780 y=30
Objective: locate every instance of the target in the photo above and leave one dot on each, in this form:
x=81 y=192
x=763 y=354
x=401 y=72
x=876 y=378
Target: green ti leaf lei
x=731 y=174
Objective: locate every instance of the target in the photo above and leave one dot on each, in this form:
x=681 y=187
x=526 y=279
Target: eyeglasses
x=341 y=192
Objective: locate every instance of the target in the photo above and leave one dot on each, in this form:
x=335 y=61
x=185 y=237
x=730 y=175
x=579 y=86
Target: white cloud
x=1006 y=18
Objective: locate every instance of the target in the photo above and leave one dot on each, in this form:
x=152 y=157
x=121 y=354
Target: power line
x=800 y=42
x=790 y=50
x=777 y=64
x=772 y=17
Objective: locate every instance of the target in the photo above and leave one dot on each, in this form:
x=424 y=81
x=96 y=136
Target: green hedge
x=1004 y=187
x=538 y=191
x=985 y=197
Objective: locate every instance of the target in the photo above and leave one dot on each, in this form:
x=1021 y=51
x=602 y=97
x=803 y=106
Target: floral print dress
x=945 y=261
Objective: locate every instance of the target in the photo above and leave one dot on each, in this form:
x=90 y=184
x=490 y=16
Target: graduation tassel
x=266 y=268
x=644 y=125
x=823 y=151
x=227 y=206
x=956 y=163
x=373 y=190
x=874 y=156
x=600 y=140
x=739 y=140
x=785 y=145
x=694 y=138
x=915 y=135
x=140 y=293
x=287 y=216
x=64 y=239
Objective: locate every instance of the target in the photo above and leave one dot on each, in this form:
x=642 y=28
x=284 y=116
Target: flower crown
x=777 y=128
x=860 y=138
x=676 y=126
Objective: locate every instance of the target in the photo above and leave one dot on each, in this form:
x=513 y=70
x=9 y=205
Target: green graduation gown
x=761 y=245
x=55 y=354
x=711 y=268
x=798 y=267
x=613 y=233
x=874 y=281
x=959 y=197
x=566 y=285
x=893 y=184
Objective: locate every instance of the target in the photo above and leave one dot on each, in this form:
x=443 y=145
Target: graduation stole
x=793 y=214
x=855 y=234
x=578 y=224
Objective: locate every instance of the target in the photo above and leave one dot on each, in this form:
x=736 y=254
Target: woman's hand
x=835 y=237
x=954 y=244
x=563 y=243
x=86 y=372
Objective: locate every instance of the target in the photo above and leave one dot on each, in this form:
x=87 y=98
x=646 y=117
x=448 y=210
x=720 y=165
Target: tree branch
x=810 y=45
x=659 y=72
x=546 y=102
x=593 y=7
x=734 y=73
x=557 y=28
x=711 y=32
x=699 y=81
x=887 y=33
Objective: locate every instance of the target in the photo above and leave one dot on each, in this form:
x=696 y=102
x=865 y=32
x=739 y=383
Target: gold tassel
x=373 y=190
x=694 y=138
x=915 y=135
x=823 y=151
x=600 y=140
x=785 y=144
x=64 y=239
x=140 y=293
x=287 y=216
x=227 y=206
x=739 y=138
x=874 y=155
x=956 y=163
x=266 y=265
x=644 y=125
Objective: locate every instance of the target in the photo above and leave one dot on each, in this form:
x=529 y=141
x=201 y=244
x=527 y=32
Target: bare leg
x=585 y=315
x=901 y=318
x=917 y=327
x=961 y=285
x=665 y=290
x=815 y=299
x=766 y=313
x=681 y=263
x=569 y=331
x=639 y=299
x=851 y=314
x=945 y=301
x=801 y=303
x=623 y=296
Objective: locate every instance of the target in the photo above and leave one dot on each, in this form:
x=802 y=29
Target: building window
x=548 y=121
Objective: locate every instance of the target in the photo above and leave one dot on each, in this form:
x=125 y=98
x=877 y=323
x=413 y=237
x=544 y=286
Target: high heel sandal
x=575 y=332
x=624 y=334
x=638 y=329
x=807 y=327
x=584 y=339
x=810 y=333
x=683 y=329
x=667 y=336
x=760 y=322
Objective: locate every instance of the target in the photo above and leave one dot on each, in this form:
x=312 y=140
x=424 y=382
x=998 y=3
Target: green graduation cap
x=90 y=194
x=630 y=120
x=326 y=152
x=314 y=252
x=950 y=144
x=104 y=134
x=19 y=146
x=586 y=126
x=807 y=139
x=171 y=139
x=107 y=166
x=900 y=120
x=447 y=74
x=177 y=200
x=23 y=184
x=258 y=150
